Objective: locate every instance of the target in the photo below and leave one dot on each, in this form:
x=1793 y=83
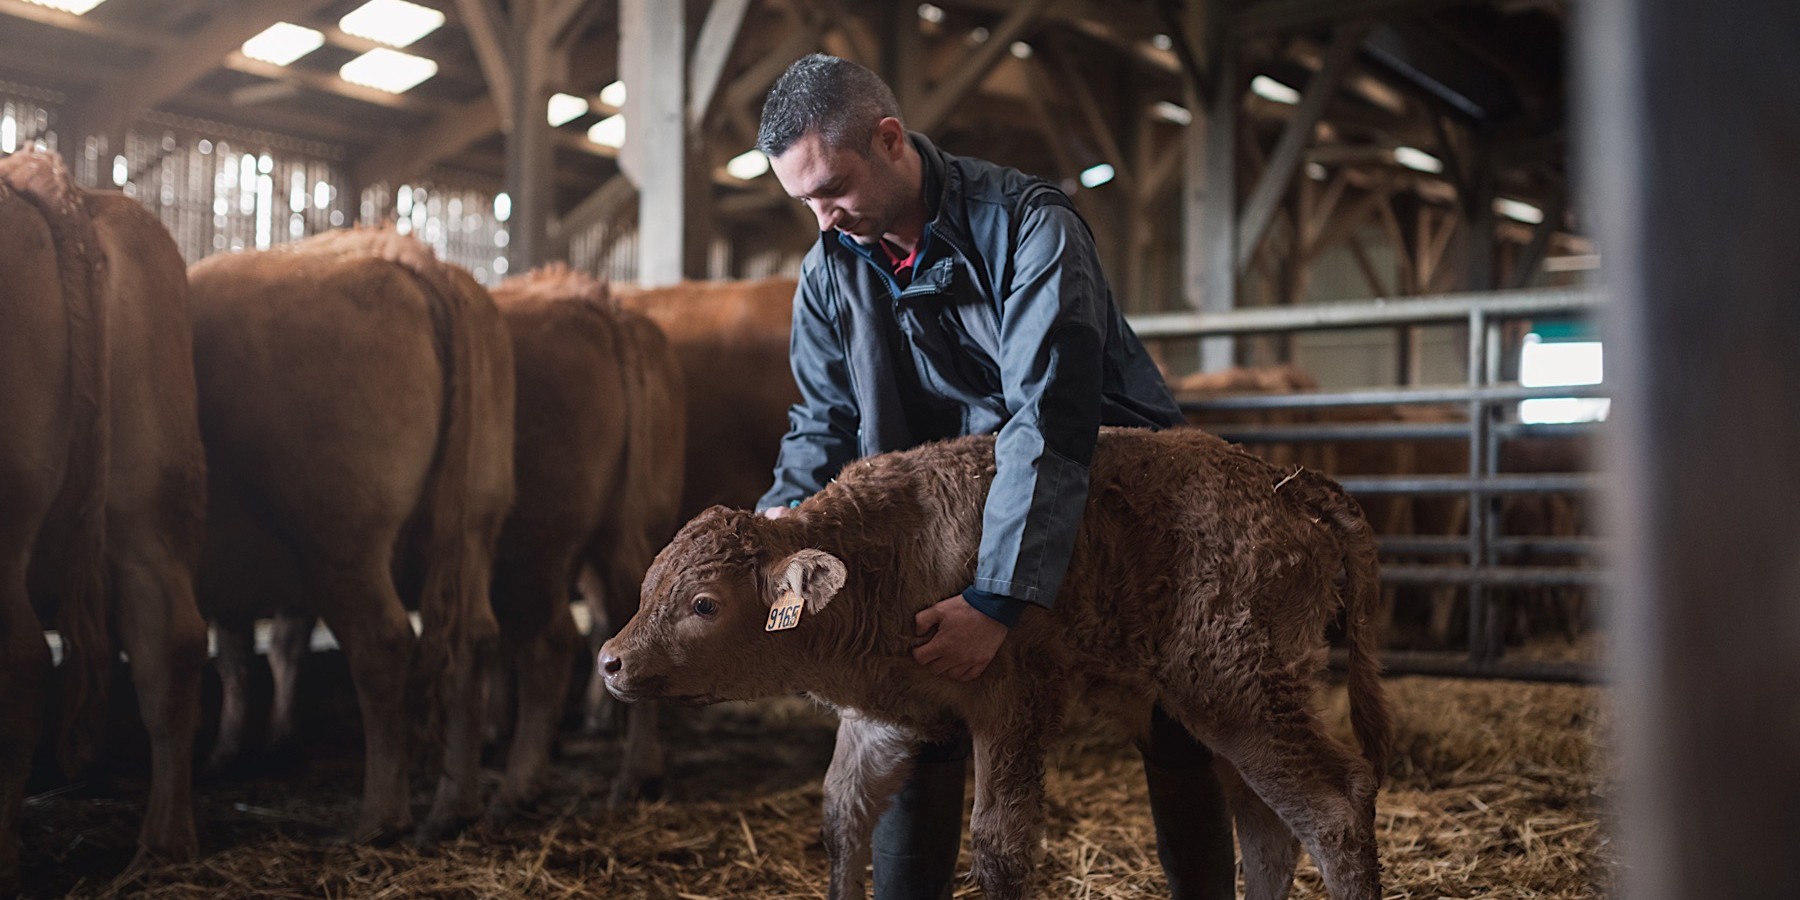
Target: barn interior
x=1380 y=194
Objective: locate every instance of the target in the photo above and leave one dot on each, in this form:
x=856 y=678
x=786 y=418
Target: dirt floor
x=1495 y=792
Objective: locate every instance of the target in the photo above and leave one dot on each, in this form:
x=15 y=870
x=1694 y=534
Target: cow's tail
x=81 y=620
x=1369 y=715
x=656 y=437
x=449 y=586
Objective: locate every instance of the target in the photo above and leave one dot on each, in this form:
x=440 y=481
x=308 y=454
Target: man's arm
x=1051 y=365
x=821 y=436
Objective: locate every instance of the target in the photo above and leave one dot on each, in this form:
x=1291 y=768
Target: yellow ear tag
x=785 y=613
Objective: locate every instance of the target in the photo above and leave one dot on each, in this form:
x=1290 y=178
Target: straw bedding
x=1496 y=792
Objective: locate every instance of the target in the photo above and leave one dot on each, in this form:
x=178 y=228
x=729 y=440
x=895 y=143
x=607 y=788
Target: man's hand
x=775 y=512
x=965 y=642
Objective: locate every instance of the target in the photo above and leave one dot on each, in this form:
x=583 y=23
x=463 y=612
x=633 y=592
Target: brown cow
x=101 y=480
x=598 y=463
x=732 y=340
x=356 y=396
x=1202 y=580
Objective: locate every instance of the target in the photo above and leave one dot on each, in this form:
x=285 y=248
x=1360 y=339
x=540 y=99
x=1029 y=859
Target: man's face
x=858 y=194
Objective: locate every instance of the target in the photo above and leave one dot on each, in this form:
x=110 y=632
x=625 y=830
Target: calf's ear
x=815 y=575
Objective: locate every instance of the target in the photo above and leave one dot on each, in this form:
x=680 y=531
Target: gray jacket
x=1008 y=326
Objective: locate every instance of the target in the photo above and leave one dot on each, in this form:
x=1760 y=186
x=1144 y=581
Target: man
x=949 y=296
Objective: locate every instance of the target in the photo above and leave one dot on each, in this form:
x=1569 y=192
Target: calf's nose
x=610 y=664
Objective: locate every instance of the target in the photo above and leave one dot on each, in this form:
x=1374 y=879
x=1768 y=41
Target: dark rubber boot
x=1193 y=823
x=917 y=839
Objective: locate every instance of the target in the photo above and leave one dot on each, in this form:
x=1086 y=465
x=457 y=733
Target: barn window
x=1556 y=355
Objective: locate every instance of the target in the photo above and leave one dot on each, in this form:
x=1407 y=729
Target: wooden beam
x=1525 y=265
x=1409 y=280
x=1323 y=208
x=329 y=83
x=530 y=153
x=1378 y=286
x=749 y=87
x=974 y=68
x=410 y=151
x=1165 y=164
x=652 y=50
x=1294 y=137
x=560 y=18
x=1352 y=217
x=1079 y=88
x=115 y=104
x=611 y=198
x=1054 y=130
x=1285 y=15
x=489 y=33
x=67 y=21
x=712 y=50
x=1134 y=18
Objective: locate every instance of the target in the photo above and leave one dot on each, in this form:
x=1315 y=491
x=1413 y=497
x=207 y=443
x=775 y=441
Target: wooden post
x=653 y=60
x=1209 y=211
x=1693 y=200
x=529 y=151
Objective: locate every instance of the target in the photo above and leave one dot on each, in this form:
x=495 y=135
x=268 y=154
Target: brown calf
x=1202 y=580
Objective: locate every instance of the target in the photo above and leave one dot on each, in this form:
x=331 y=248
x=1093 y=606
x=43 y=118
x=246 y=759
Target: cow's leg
x=1268 y=848
x=868 y=765
x=236 y=638
x=161 y=631
x=539 y=639
x=24 y=675
x=289 y=641
x=1008 y=820
x=1324 y=792
x=600 y=710
x=359 y=604
x=458 y=798
x=621 y=563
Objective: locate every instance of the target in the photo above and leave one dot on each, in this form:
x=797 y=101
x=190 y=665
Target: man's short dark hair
x=836 y=98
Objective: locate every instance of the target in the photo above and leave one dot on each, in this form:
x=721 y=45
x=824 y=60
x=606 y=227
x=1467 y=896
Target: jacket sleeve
x=1051 y=364
x=821 y=436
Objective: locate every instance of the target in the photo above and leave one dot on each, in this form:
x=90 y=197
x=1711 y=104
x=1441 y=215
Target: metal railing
x=1484 y=567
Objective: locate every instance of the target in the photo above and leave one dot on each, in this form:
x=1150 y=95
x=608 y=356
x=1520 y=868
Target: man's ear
x=815 y=575
x=890 y=138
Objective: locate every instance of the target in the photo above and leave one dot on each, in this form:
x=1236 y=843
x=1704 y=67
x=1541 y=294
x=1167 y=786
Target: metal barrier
x=1484 y=550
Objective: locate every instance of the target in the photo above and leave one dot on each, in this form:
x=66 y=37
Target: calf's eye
x=705 y=607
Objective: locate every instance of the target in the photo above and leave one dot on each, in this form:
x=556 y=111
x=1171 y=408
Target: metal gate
x=1478 y=561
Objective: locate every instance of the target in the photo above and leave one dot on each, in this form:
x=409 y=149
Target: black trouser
x=916 y=840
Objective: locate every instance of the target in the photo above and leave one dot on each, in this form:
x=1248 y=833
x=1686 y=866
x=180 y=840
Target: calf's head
x=701 y=633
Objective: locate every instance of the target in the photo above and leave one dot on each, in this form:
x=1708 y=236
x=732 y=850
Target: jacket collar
x=944 y=206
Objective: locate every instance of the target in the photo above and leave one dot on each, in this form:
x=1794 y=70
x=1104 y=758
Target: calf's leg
x=1269 y=849
x=237 y=647
x=867 y=767
x=1007 y=824
x=1324 y=792
x=289 y=641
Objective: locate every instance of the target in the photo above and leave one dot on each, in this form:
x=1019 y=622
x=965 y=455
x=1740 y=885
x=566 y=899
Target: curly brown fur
x=1202 y=580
